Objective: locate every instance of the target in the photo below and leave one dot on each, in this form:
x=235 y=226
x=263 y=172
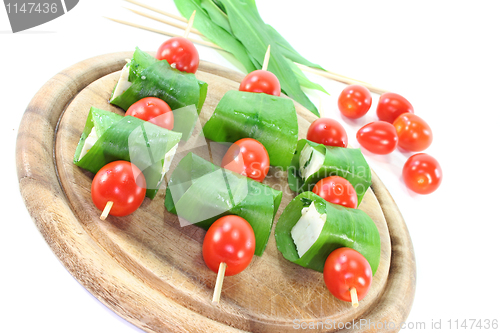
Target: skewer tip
x=354 y=298
x=218 y=283
x=266 y=58
x=320 y=107
x=190 y=24
x=106 y=210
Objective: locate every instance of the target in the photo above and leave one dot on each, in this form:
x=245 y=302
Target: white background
x=443 y=56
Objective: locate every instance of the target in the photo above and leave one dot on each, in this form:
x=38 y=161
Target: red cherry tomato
x=378 y=137
x=391 y=105
x=422 y=173
x=355 y=101
x=260 y=81
x=328 y=132
x=122 y=183
x=345 y=269
x=180 y=53
x=337 y=190
x=154 y=110
x=414 y=134
x=248 y=157
x=231 y=240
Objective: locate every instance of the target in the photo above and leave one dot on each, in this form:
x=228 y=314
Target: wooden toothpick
x=218 y=283
x=341 y=78
x=320 y=108
x=159 y=11
x=159 y=19
x=190 y=24
x=166 y=33
x=354 y=298
x=266 y=58
x=106 y=210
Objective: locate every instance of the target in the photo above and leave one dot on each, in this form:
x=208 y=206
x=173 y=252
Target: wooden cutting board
x=149 y=269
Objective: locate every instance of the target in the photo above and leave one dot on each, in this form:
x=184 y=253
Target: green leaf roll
x=127 y=138
x=271 y=120
x=347 y=163
x=201 y=192
x=156 y=78
x=139 y=62
x=344 y=227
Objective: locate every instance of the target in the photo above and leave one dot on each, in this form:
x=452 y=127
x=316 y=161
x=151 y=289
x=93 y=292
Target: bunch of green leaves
x=236 y=26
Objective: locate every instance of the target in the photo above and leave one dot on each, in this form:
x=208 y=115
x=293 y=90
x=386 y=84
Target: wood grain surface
x=149 y=269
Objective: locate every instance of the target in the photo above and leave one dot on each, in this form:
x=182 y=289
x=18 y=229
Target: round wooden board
x=149 y=269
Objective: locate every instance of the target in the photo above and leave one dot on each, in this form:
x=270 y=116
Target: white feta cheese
x=123 y=83
x=315 y=159
x=89 y=142
x=169 y=156
x=307 y=230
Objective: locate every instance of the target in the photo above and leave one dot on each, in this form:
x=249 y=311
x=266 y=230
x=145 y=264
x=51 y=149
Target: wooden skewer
x=218 y=284
x=316 y=71
x=354 y=298
x=106 y=210
x=190 y=25
x=159 y=11
x=266 y=58
x=173 y=24
x=210 y=152
x=327 y=74
x=341 y=78
x=166 y=33
x=320 y=107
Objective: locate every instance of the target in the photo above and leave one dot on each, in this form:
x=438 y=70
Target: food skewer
x=261 y=80
x=166 y=33
x=173 y=24
x=341 y=78
x=228 y=248
x=222 y=266
x=266 y=58
x=354 y=297
x=320 y=108
x=118 y=189
x=347 y=275
x=218 y=283
x=319 y=72
x=159 y=11
x=106 y=210
x=180 y=52
x=190 y=25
